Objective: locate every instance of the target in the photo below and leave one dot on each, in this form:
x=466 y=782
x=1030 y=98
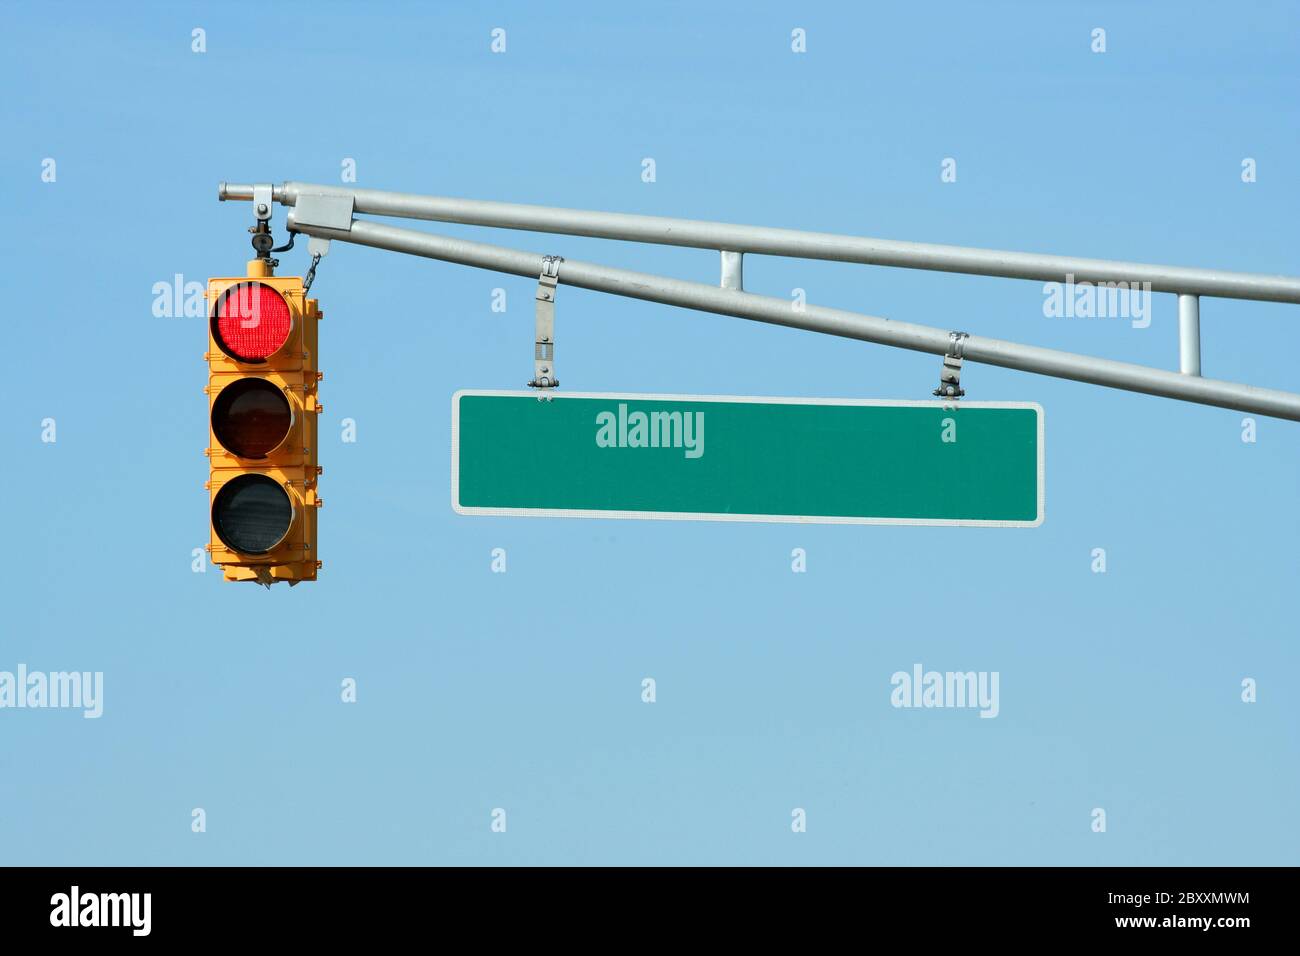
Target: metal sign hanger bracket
x=544 y=346
x=950 y=372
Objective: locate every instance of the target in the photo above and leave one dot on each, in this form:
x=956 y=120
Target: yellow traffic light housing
x=262 y=426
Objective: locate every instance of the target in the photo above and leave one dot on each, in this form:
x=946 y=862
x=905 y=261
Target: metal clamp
x=261 y=229
x=263 y=196
x=950 y=372
x=544 y=347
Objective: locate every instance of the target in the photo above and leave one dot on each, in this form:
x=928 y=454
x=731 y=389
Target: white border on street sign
x=702 y=516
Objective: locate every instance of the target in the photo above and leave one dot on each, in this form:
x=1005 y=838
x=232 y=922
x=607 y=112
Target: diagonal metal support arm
x=921 y=338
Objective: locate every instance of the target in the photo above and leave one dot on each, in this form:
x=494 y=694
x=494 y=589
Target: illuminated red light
x=251 y=322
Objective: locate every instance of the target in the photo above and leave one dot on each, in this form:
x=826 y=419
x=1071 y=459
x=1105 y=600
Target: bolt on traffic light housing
x=262 y=434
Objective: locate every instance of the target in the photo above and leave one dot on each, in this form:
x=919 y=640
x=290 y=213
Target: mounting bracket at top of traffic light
x=324 y=211
x=261 y=228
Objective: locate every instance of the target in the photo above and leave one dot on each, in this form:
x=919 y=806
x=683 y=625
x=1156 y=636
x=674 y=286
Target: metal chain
x=310 y=277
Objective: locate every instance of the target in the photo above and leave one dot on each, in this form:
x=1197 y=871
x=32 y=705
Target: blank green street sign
x=733 y=458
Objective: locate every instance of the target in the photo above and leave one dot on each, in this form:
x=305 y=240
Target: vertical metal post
x=1189 y=334
x=733 y=270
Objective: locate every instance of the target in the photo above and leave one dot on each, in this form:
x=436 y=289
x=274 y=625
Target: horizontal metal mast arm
x=791 y=242
x=745 y=305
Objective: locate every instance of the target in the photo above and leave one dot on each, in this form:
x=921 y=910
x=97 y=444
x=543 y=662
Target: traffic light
x=262 y=418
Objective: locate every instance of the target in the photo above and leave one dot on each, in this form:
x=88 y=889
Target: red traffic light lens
x=250 y=322
x=251 y=514
x=251 y=418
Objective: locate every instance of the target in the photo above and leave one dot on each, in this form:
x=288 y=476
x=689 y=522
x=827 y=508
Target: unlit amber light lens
x=251 y=418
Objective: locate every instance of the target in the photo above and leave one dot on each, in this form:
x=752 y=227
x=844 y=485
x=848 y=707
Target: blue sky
x=523 y=690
